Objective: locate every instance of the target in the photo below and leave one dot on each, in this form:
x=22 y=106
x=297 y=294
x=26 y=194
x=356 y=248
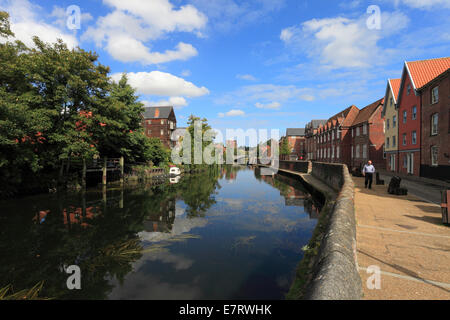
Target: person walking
x=368 y=172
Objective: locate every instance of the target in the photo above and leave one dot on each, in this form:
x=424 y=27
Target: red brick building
x=310 y=138
x=415 y=75
x=367 y=132
x=333 y=140
x=160 y=122
x=297 y=143
x=435 y=137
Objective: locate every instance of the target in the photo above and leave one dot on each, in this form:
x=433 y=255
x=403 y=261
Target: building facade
x=297 y=143
x=390 y=115
x=333 y=139
x=160 y=122
x=310 y=138
x=367 y=132
x=416 y=74
x=435 y=138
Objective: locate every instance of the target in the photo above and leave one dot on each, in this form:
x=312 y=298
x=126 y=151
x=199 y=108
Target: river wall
x=334 y=273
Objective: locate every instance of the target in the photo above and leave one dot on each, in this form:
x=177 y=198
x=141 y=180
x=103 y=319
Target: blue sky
x=248 y=64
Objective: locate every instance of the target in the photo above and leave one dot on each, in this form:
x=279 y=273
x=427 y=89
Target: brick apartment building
x=333 y=140
x=297 y=143
x=310 y=138
x=390 y=115
x=367 y=132
x=160 y=122
x=435 y=137
x=416 y=74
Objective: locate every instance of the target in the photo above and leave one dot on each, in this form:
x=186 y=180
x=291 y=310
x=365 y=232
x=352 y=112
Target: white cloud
x=128 y=49
x=177 y=102
x=342 y=42
x=162 y=84
x=126 y=31
x=247 y=77
x=272 y=106
x=25 y=23
x=232 y=113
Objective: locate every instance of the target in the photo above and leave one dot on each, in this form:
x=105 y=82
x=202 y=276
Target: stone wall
x=330 y=173
x=335 y=273
x=297 y=166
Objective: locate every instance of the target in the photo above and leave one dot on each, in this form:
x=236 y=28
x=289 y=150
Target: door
x=411 y=163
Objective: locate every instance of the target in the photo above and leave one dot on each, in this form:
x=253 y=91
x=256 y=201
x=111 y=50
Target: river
x=227 y=233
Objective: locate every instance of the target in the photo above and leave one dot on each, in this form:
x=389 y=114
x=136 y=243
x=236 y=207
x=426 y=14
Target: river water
x=228 y=233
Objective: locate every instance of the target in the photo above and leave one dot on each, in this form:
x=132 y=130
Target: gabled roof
x=365 y=113
x=442 y=75
x=394 y=85
x=423 y=71
x=316 y=123
x=295 y=132
x=343 y=116
x=157 y=112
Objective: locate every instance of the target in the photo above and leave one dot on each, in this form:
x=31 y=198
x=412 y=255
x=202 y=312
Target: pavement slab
x=404 y=237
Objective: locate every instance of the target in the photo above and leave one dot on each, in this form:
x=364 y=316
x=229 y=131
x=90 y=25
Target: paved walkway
x=425 y=190
x=403 y=236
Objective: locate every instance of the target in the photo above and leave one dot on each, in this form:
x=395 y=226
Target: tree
x=285 y=150
x=58 y=105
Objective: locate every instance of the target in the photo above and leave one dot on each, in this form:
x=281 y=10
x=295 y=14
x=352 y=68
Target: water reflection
x=200 y=237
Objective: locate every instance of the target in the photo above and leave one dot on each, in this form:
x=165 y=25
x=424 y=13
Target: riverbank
x=328 y=269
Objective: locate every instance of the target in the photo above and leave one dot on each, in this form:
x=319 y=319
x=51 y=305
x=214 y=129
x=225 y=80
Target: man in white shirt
x=368 y=172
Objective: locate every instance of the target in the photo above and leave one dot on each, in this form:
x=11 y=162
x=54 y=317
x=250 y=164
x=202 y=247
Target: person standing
x=368 y=172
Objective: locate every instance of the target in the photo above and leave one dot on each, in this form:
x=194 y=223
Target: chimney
x=157 y=113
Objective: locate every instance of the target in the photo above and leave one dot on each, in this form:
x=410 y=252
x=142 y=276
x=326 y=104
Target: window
x=357 y=151
x=333 y=135
x=388 y=124
x=434 y=124
x=162 y=132
x=391 y=101
x=404 y=139
x=394 y=121
x=405 y=161
x=338 y=149
x=394 y=142
x=434 y=155
x=387 y=143
x=365 y=151
x=365 y=128
x=353 y=132
x=332 y=152
x=405 y=115
x=434 y=95
x=414 y=137
x=408 y=89
x=357 y=131
x=353 y=152
x=162 y=121
x=414 y=113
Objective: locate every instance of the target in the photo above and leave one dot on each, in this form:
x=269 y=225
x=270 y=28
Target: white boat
x=174 y=171
x=174 y=180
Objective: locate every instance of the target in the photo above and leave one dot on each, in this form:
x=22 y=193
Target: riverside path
x=404 y=237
